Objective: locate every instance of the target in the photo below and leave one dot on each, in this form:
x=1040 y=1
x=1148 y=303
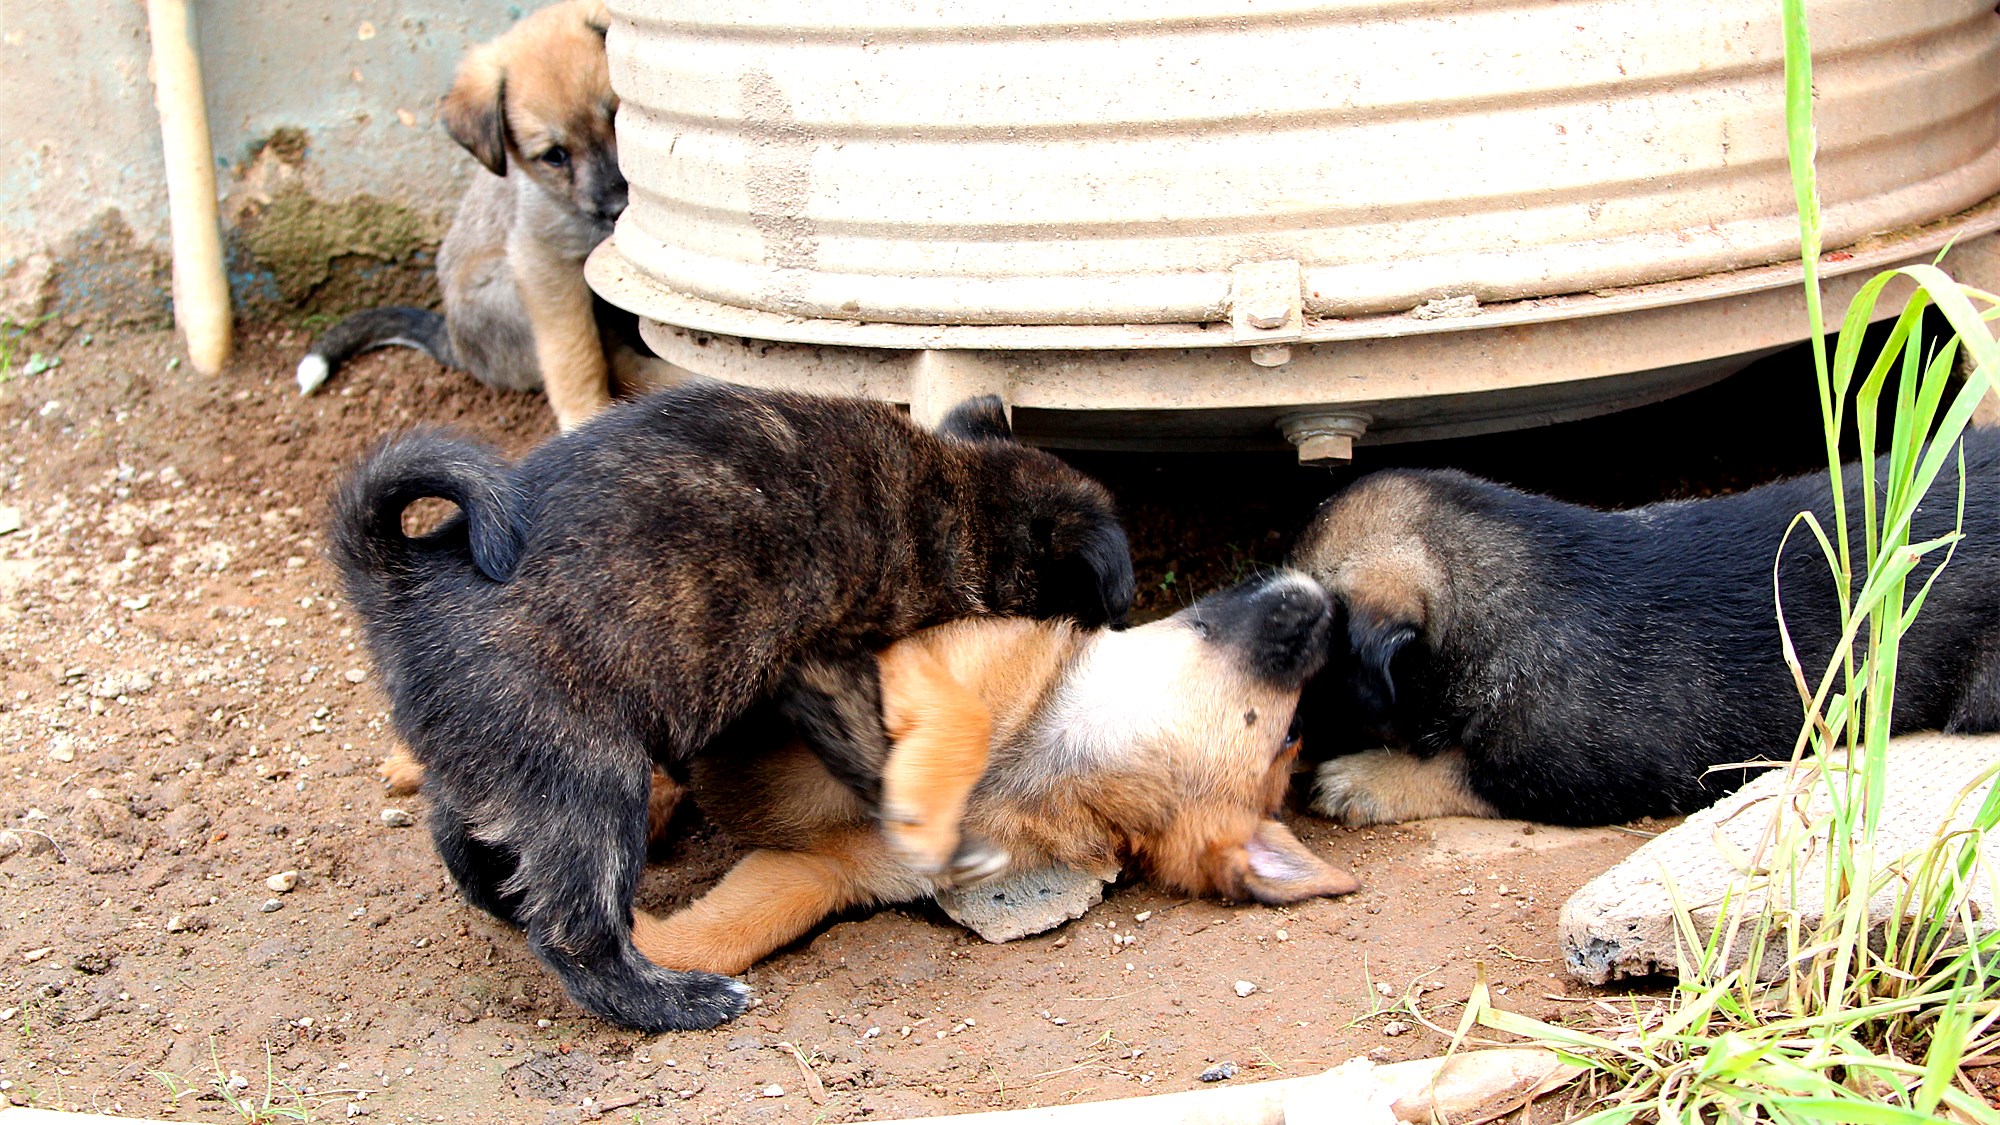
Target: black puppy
x=632 y=587
x=1535 y=659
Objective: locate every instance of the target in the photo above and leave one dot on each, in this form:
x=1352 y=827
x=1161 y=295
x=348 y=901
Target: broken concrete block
x=1025 y=903
x=1621 y=924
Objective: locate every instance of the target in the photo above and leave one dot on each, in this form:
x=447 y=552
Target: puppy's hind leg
x=479 y=869
x=770 y=899
x=580 y=851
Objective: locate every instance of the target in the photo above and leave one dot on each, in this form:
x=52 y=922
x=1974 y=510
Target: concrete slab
x=1620 y=924
x=1025 y=903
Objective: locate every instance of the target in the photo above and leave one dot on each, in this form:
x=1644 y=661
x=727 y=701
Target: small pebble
x=176 y=924
x=10 y=842
x=1142 y=915
x=63 y=754
x=1220 y=1072
x=1395 y=1027
x=7 y=1014
x=355 y=675
x=283 y=881
x=1385 y=988
x=270 y=905
x=397 y=818
x=774 y=1091
x=1284 y=935
x=34 y=955
x=1245 y=988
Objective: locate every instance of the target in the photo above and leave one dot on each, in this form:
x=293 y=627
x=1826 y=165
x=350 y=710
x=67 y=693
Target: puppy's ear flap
x=1282 y=869
x=597 y=17
x=1375 y=643
x=475 y=111
x=977 y=419
x=1088 y=576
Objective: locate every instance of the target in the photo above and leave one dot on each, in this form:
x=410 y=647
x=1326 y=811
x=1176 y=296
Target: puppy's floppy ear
x=1088 y=576
x=1283 y=869
x=977 y=419
x=1375 y=643
x=597 y=17
x=475 y=111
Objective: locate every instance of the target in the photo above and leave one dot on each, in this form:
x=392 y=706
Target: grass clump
x=1850 y=1020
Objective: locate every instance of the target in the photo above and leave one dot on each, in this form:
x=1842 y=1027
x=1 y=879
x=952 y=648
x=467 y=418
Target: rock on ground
x=1621 y=924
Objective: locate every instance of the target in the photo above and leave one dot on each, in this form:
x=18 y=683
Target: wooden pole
x=201 y=287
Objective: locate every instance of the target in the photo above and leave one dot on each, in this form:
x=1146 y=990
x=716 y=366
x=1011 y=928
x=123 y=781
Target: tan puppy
x=535 y=106
x=1169 y=745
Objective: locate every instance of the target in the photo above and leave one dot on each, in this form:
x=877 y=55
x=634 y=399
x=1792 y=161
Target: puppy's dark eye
x=1293 y=735
x=556 y=157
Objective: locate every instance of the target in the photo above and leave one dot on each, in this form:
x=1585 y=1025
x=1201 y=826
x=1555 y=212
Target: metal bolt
x=1269 y=310
x=1324 y=439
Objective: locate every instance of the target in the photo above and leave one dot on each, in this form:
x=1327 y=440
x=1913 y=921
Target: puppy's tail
x=395 y=326
x=367 y=540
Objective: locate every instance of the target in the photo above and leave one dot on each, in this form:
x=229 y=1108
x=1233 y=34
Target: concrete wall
x=348 y=90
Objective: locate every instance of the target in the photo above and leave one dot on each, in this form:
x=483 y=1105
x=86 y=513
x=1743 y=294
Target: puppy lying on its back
x=1170 y=745
x=1540 y=660
x=632 y=587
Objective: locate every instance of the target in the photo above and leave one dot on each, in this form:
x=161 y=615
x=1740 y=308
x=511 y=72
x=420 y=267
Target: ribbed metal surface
x=939 y=164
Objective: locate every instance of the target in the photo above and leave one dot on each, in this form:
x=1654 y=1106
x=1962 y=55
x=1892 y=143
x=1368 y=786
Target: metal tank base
x=1446 y=369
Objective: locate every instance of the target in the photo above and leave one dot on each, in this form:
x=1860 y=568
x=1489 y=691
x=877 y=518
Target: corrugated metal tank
x=1205 y=174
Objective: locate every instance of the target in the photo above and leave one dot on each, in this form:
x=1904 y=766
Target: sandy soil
x=185 y=714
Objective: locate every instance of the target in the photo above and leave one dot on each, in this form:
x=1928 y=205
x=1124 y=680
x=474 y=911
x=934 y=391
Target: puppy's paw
x=1341 y=793
x=401 y=773
x=976 y=862
x=1388 y=786
x=923 y=844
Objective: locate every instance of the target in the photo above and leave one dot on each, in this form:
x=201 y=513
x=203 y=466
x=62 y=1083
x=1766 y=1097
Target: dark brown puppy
x=1530 y=658
x=632 y=587
x=1168 y=746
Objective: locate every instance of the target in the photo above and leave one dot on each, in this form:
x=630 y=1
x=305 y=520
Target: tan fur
x=544 y=84
x=1366 y=547
x=1190 y=797
x=941 y=730
x=770 y=899
x=1386 y=786
x=403 y=775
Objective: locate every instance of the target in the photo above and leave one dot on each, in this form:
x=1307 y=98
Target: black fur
x=1595 y=665
x=631 y=588
x=393 y=326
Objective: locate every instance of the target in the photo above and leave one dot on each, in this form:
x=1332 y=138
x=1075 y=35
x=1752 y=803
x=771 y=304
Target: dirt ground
x=185 y=713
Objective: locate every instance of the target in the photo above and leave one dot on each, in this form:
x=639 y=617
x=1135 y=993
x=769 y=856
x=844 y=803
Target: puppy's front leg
x=1388 y=786
x=770 y=899
x=567 y=347
x=942 y=734
x=910 y=740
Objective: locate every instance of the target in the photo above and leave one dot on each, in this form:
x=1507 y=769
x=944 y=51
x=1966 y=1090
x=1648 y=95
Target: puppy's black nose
x=1294 y=627
x=1281 y=624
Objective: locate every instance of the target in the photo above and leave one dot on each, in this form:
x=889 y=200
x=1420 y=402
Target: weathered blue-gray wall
x=349 y=91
